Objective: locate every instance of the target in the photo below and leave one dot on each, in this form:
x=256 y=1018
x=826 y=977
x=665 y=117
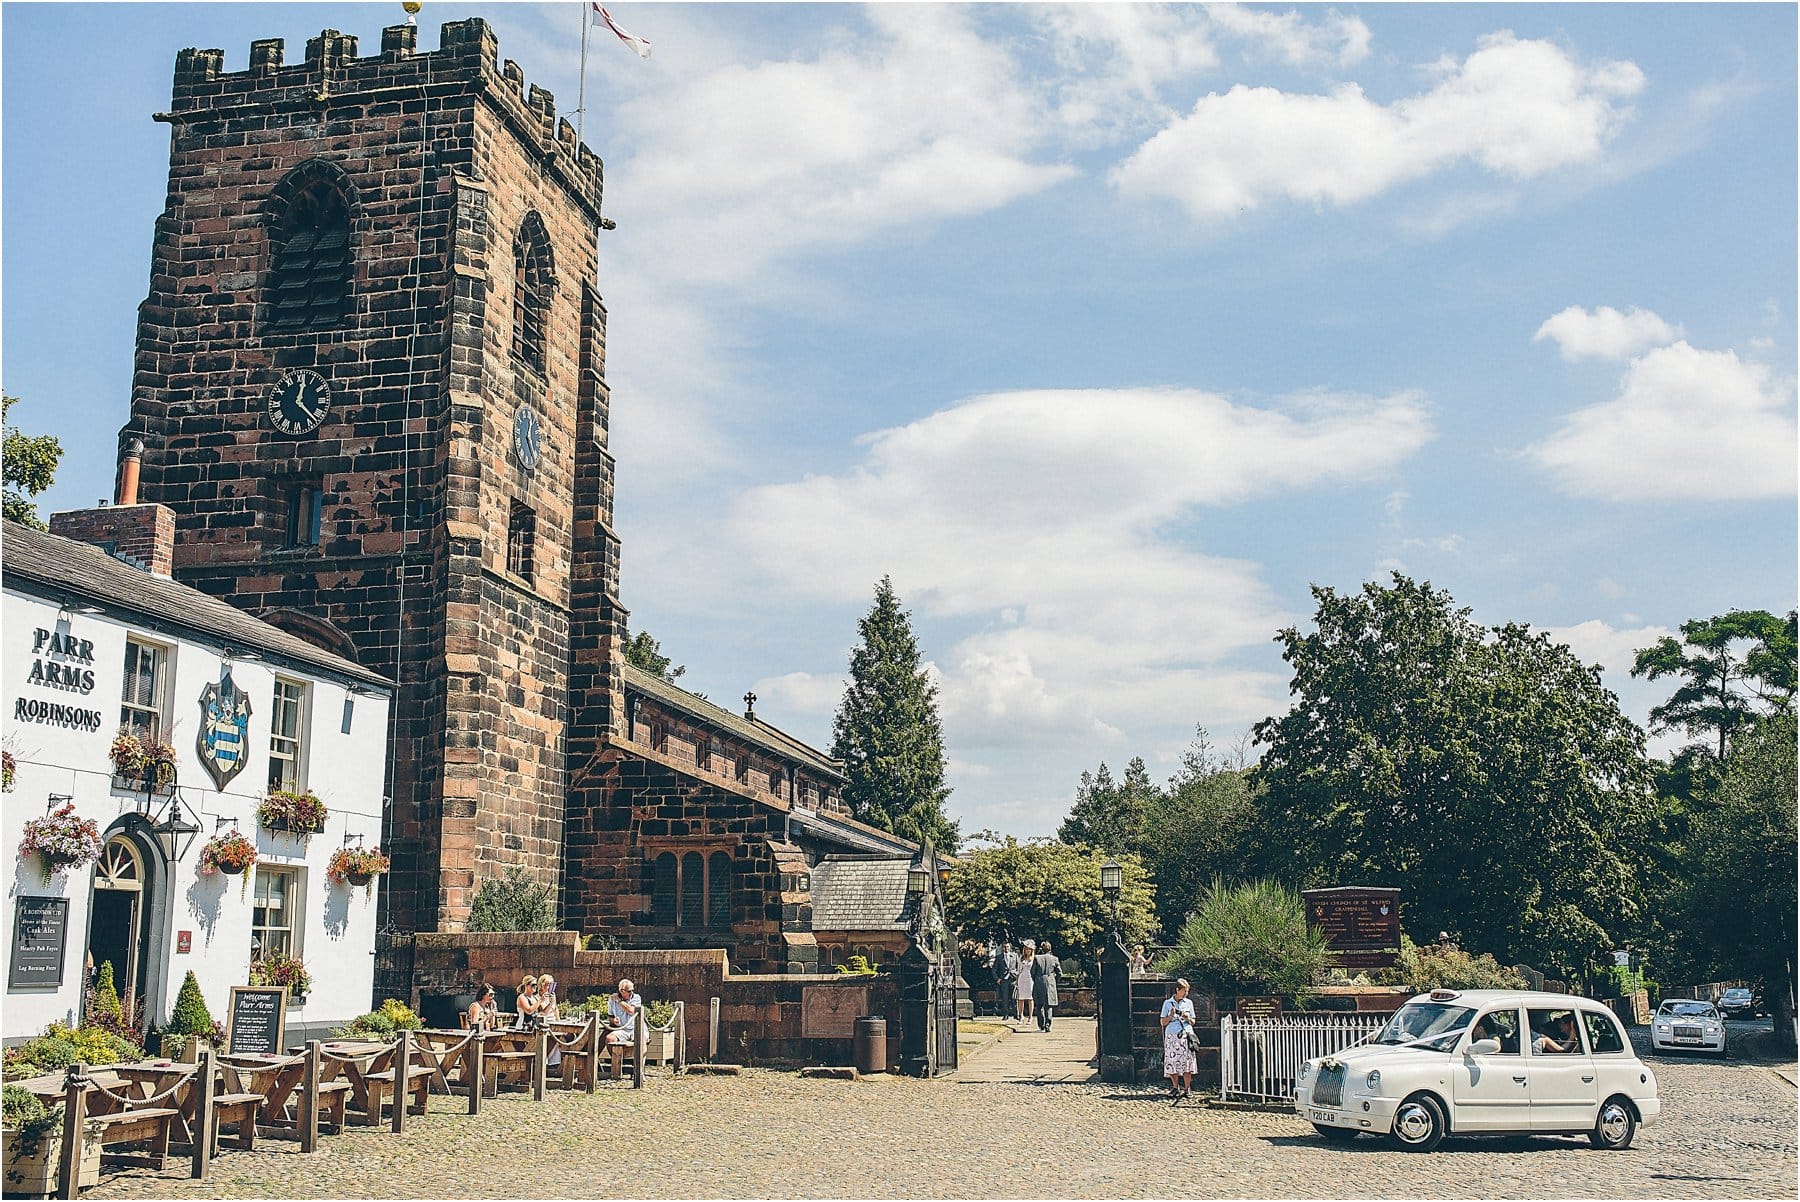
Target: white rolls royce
x=1484 y=1062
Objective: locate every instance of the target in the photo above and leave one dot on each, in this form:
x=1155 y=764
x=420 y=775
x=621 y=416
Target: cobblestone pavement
x=1728 y=1131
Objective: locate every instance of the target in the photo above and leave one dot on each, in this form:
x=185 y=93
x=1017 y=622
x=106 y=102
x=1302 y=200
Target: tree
x=887 y=731
x=1490 y=774
x=1037 y=890
x=1200 y=828
x=1738 y=908
x=1251 y=938
x=1108 y=816
x=30 y=466
x=642 y=651
x=1734 y=668
x=515 y=901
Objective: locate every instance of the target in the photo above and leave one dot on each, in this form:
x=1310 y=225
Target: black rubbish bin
x=871 y=1044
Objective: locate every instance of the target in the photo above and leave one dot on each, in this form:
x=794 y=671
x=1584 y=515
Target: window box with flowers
x=296 y=813
x=63 y=839
x=355 y=866
x=141 y=762
x=279 y=968
x=229 y=853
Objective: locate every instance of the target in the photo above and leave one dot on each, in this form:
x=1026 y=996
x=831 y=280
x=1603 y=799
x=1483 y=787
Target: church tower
x=369 y=382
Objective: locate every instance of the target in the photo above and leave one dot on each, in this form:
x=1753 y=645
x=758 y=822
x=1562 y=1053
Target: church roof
x=849 y=833
x=753 y=730
x=861 y=893
x=59 y=568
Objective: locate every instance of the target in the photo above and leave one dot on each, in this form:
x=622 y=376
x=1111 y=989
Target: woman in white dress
x=1022 y=982
x=1178 y=1058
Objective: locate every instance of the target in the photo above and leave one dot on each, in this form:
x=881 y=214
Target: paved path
x=1023 y=1055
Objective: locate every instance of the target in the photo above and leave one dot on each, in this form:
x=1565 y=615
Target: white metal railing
x=1259 y=1058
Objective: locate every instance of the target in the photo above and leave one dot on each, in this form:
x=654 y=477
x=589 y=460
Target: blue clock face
x=528 y=439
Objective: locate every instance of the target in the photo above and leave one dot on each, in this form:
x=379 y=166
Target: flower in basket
x=301 y=813
x=141 y=757
x=355 y=866
x=279 y=968
x=10 y=767
x=229 y=853
x=62 y=838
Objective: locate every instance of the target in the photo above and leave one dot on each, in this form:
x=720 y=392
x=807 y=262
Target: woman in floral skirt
x=1178 y=1057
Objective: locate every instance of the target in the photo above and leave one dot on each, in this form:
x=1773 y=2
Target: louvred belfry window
x=532 y=285
x=309 y=282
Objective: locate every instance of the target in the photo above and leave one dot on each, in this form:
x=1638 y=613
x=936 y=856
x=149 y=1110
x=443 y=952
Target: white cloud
x=1449 y=544
x=1514 y=108
x=1605 y=333
x=1335 y=39
x=1687 y=424
x=803 y=692
x=1597 y=642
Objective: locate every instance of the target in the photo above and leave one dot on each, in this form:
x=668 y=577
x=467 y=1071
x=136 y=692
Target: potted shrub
x=191 y=1024
x=62 y=839
x=355 y=866
x=229 y=853
x=296 y=813
x=659 y=1031
x=279 y=968
x=141 y=762
x=31 y=1145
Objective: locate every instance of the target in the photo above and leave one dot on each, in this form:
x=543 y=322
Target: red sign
x=184 y=942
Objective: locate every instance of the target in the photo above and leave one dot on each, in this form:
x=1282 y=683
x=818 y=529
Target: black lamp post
x=1112 y=884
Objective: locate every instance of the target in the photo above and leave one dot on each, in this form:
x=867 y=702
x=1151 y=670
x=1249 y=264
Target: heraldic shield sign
x=224 y=727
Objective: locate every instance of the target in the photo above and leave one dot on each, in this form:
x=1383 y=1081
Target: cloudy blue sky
x=1105 y=330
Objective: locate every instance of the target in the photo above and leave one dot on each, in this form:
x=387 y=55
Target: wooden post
x=309 y=1097
x=201 y=1132
x=75 y=1085
x=680 y=1037
x=477 y=1071
x=402 y=1073
x=595 y=1038
x=540 y=1061
x=640 y=1039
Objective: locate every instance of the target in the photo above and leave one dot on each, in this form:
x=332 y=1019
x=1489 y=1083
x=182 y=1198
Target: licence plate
x=1687 y=1039
x=1328 y=1117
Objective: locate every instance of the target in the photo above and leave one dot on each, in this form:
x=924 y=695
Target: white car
x=1484 y=1062
x=1687 y=1026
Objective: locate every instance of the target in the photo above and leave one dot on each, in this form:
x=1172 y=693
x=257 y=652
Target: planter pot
x=183 y=1049
x=231 y=869
x=359 y=878
x=659 y=1044
x=34 y=1175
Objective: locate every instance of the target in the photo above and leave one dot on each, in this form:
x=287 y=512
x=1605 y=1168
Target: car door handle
x=1520 y=1080
x=1588 y=1080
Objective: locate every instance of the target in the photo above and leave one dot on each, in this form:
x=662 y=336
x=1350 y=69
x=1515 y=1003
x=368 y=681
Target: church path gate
x=943 y=1005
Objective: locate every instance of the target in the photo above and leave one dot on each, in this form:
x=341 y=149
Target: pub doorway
x=118 y=926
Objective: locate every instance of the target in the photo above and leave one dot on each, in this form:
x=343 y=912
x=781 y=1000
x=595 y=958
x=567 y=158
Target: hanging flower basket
x=355 y=866
x=62 y=839
x=140 y=762
x=295 y=813
x=230 y=853
x=9 y=769
x=278 y=968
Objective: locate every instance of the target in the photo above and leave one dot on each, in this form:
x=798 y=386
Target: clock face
x=300 y=402
x=528 y=439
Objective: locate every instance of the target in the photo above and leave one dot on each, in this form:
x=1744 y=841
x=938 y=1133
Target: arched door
x=116 y=929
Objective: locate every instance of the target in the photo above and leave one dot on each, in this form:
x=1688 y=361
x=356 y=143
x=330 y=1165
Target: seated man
x=622 y=1010
x=1560 y=1038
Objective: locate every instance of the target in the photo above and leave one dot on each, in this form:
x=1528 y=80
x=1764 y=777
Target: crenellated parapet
x=334 y=79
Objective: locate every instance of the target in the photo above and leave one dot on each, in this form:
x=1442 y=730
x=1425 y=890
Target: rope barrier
x=131 y=1103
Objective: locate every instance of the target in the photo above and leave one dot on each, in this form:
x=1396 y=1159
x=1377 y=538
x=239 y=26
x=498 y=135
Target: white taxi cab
x=1485 y=1061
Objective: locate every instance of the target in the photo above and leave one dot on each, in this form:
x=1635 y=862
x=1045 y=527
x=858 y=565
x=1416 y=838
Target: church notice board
x=831 y=1011
x=1361 y=925
x=258 y=1019
x=40 y=935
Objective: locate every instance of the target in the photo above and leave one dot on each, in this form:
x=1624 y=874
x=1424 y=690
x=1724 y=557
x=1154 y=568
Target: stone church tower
x=369 y=382
x=370 y=385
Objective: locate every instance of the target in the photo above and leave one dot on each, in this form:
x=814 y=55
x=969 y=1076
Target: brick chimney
x=140 y=535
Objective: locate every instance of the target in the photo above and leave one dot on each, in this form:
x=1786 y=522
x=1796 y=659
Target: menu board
x=1361 y=925
x=257 y=1021
x=40 y=935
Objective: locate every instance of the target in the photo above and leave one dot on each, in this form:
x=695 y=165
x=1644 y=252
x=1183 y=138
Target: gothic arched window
x=533 y=281
x=718 y=891
x=662 y=890
x=309 y=267
x=693 y=890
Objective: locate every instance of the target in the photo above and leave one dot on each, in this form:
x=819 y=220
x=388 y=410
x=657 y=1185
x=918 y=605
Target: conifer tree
x=887 y=731
x=191 y=1017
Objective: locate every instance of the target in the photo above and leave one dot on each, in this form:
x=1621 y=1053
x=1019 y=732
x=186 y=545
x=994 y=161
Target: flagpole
x=581 y=92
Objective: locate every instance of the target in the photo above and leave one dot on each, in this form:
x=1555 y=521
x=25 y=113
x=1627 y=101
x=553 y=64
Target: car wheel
x=1418 y=1124
x=1337 y=1135
x=1614 y=1127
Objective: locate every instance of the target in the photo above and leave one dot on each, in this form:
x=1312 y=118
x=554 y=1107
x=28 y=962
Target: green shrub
x=191 y=1017
x=1445 y=966
x=25 y=1114
x=401 y=1015
x=104 y=1011
x=513 y=902
x=858 y=965
x=584 y=1007
x=1250 y=939
x=19 y=1106
x=374 y=1025
x=659 y=1014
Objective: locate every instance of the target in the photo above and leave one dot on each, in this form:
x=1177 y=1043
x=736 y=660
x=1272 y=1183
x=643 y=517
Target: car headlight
x=1373 y=1080
x=1662 y=1026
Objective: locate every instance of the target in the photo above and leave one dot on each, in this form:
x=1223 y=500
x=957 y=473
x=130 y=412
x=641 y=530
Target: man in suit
x=1006 y=967
x=1045 y=968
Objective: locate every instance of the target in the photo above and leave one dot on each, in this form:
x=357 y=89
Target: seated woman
x=546 y=994
x=622 y=1009
x=527 y=1002
x=480 y=1015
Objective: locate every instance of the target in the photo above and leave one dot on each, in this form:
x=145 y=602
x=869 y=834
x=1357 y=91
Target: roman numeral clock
x=299 y=402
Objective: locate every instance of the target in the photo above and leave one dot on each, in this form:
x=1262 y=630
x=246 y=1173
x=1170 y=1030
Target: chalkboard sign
x=40 y=934
x=258 y=1019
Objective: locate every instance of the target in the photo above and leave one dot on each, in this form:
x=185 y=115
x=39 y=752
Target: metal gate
x=943 y=1007
x=1259 y=1058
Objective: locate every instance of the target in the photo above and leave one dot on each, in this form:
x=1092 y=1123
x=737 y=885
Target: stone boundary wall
x=759 y=1016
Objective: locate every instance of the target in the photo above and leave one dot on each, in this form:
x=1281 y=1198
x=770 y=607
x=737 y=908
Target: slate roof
x=62 y=569
x=751 y=730
x=848 y=832
x=861 y=893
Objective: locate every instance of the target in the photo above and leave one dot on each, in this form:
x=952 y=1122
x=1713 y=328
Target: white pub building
x=98 y=640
